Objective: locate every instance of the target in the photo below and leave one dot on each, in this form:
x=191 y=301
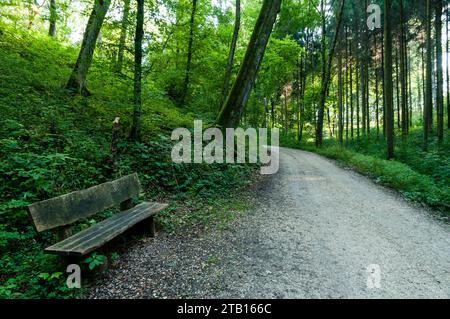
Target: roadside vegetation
x=422 y=177
x=52 y=144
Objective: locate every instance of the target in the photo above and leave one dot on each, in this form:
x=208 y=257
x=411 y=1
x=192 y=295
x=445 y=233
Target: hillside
x=53 y=143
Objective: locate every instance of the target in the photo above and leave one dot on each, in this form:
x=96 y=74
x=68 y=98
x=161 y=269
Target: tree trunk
x=424 y=85
x=384 y=86
x=377 y=103
x=340 y=100
x=351 y=101
x=189 y=55
x=403 y=76
x=135 y=134
x=326 y=71
x=240 y=92
x=53 y=17
x=123 y=35
x=397 y=81
x=448 y=68
x=357 y=100
x=439 y=72
x=429 y=79
x=229 y=68
x=77 y=80
x=364 y=78
x=346 y=86
x=388 y=80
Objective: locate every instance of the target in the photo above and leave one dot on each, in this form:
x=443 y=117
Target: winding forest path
x=315 y=231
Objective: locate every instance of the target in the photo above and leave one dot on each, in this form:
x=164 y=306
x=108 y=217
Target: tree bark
x=135 y=134
x=388 y=80
x=346 y=86
x=377 y=103
x=189 y=55
x=384 y=86
x=123 y=35
x=240 y=92
x=53 y=17
x=326 y=74
x=429 y=79
x=448 y=67
x=77 y=80
x=440 y=82
x=403 y=76
x=229 y=68
x=351 y=101
x=340 y=100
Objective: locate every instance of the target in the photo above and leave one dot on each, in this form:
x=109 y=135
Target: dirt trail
x=316 y=230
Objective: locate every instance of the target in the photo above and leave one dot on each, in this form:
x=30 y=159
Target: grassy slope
x=53 y=143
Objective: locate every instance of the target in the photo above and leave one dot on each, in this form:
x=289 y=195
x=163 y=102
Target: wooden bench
x=60 y=212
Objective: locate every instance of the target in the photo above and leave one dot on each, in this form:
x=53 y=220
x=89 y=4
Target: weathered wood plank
x=96 y=236
x=69 y=208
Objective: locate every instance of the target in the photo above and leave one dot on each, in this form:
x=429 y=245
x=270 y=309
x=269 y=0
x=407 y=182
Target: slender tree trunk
x=123 y=35
x=189 y=55
x=229 y=68
x=410 y=108
x=358 y=118
x=240 y=92
x=135 y=134
x=364 y=89
x=272 y=103
x=424 y=86
x=440 y=81
x=340 y=100
x=346 y=87
x=448 y=67
x=388 y=80
x=286 y=120
x=377 y=104
x=429 y=79
x=351 y=101
x=368 y=62
x=77 y=80
x=384 y=86
x=397 y=91
x=326 y=73
x=403 y=76
x=53 y=17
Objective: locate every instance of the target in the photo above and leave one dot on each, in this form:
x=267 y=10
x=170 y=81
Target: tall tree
x=135 y=134
x=229 y=68
x=234 y=106
x=429 y=79
x=123 y=35
x=53 y=17
x=340 y=100
x=326 y=73
x=403 y=75
x=447 y=42
x=77 y=80
x=388 y=80
x=189 y=55
x=440 y=82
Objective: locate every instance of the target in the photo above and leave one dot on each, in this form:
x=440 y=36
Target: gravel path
x=316 y=230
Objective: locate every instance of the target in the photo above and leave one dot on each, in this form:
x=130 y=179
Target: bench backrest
x=69 y=208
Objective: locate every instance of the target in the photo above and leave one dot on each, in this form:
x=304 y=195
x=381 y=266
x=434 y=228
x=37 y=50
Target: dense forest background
x=91 y=90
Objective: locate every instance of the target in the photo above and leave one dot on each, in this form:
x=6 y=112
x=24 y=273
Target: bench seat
x=94 y=237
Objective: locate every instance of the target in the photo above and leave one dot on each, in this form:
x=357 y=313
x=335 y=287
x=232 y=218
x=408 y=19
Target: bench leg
x=151 y=226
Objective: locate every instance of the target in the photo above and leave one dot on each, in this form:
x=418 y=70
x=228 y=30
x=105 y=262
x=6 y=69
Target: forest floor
x=315 y=230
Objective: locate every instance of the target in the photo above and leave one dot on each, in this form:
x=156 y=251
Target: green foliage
x=52 y=143
x=94 y=260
